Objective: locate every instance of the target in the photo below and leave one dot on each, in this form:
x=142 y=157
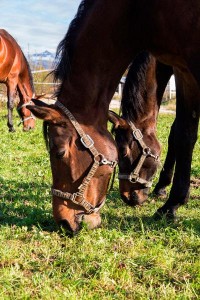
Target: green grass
x=130 y=257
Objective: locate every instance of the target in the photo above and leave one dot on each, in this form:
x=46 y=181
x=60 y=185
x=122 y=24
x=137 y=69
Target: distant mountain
x=44 y=60
x=46 y=55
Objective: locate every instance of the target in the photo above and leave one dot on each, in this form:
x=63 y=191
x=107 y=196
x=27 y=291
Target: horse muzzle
x=90 y=221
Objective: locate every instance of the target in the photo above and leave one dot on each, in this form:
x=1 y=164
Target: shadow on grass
x=145 y=220
x=29 y=204
x=26 y=204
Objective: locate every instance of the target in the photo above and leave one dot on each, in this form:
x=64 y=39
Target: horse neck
x=139 y=99
x=147 y=85
x=25 y=84
x=163 y=74
x=100 y=56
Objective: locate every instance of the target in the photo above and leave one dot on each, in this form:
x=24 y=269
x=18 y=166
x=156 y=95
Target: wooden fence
x=44 y=85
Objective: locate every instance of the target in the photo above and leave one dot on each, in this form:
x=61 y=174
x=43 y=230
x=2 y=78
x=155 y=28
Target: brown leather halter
x=134 y=177
x=28 y=118
x=99 y=159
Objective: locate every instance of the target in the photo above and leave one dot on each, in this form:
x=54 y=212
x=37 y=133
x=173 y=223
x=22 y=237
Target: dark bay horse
x=101 y=42
x=16 y=74
x=135 y=130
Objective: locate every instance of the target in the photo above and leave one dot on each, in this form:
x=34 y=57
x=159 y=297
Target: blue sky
x=37 y=25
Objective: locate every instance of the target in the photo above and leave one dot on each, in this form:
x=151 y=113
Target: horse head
x=139 y=151
x=82 y=160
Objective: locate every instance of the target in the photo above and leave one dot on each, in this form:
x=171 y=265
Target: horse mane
x=65 y=48
x=134 y=92
x=45 y=134
x=29 y=72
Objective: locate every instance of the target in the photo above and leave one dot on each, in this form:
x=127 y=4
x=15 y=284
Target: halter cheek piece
x=28 y=118
x=134 y=177
x=98 y=160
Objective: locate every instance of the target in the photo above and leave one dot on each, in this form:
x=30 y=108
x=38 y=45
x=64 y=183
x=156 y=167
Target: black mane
x=134 y=92
x=65 y=48
x=45 y=134
x=30 y=73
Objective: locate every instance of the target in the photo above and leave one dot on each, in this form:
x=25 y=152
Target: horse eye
x=60 y=154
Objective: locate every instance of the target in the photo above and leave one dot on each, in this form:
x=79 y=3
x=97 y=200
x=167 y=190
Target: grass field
x=130 y=257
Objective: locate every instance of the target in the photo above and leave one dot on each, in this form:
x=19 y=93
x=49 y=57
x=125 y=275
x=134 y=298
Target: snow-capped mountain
x=46 y=55
x=44 y=59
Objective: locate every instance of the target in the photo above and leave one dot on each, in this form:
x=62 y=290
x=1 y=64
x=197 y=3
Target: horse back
x=11 y=56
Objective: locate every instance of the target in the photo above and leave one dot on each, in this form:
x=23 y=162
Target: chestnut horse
x=15 y=73
x=101 y=42
x=135 y=130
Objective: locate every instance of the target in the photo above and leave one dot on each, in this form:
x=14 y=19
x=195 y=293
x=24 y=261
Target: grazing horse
x=135 y=130
x=15 y=73
x=101 y=42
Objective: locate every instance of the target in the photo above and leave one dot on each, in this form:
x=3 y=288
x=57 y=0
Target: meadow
x=131 y=256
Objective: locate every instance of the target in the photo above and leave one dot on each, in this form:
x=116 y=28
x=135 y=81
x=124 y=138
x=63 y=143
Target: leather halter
x=28 y=118
x=134 y=177
x=98 y=160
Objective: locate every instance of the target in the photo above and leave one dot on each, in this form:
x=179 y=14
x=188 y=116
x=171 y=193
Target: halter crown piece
x=146 y=152
x=98 y=160
x=28 y=118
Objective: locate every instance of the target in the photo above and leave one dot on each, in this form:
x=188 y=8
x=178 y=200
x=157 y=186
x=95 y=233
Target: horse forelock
x=65 y=48
x=133 y=97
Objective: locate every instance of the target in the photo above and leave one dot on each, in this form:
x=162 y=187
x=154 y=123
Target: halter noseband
x=28 y=118
x=99 y=159
x=134 y=177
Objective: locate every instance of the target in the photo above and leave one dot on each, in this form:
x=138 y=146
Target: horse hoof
x=168 y=214
x=11 y=129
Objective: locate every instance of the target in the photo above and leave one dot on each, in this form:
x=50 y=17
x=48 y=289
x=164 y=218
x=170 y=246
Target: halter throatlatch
x=99 y=159
x=134 y=177
x=28 y=118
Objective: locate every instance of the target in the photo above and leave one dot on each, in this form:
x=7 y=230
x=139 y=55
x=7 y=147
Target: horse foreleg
x=166 y=174
x=185 y=136
x=11 y=94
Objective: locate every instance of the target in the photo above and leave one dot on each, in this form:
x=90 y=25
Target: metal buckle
x=105 y=161
x=147 y=151
x=156 y=157
x=88 y=207
x=137 y=134
x=133 y=179
x=85 y=143
x=74 y=196
x=113 y=163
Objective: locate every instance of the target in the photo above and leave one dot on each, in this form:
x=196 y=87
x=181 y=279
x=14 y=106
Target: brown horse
x=101 y=42
x=135 y=130
x=16 y=74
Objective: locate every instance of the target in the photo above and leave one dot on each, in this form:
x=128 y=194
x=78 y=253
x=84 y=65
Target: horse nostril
x=27 y=128
x=66 y=228
x=131 y=201
x=135 y=199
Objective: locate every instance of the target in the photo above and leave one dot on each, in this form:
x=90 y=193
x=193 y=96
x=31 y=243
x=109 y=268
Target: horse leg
x=11 y=94
x=168 y=168
x=185 y=136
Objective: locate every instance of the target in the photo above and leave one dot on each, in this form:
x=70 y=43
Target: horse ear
x=39 y=102
x=39 y=97
x=46 y=113
x=117 y=121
